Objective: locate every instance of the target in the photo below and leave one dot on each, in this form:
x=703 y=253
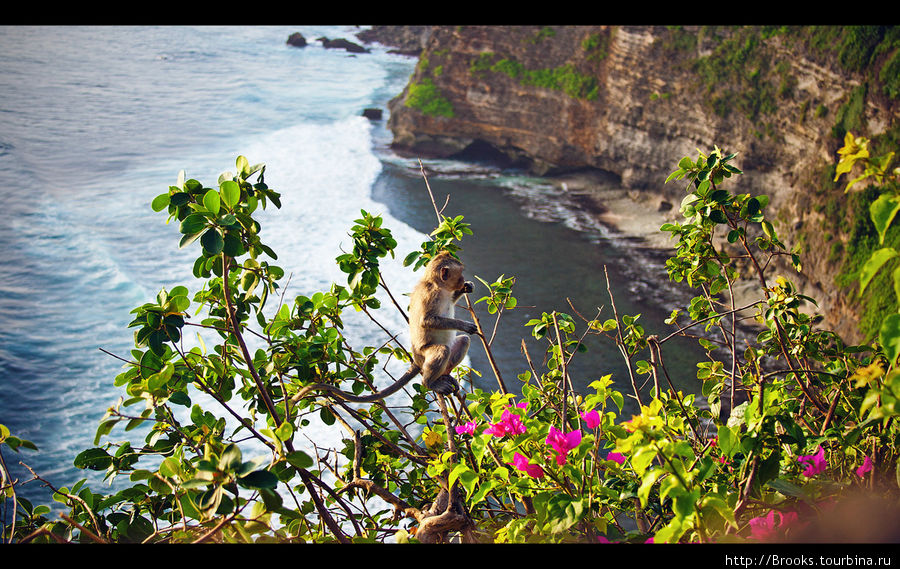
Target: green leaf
x=896 y=278
x=160 y=202
x=194 y=223
x=300 y=459
x=170 y=467
x=211 y=202
x=883 y=210
x=180 y=398
x=466 y=476
x=231 y=457
x=789 y=489
x=212 y=241
x=259 y=480
x=642 y=458
x=242 y=165
x=232 y=245
x=647 y=482
x=284 y=431
x=93 y=459
x=889 y=336
x=188 y=239
x=231 y=193
x=878 y=258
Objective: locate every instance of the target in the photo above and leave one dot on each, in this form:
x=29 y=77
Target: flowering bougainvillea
x=562 y=443
x=814 y=463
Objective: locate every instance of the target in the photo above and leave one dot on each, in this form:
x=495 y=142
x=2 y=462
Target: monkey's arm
x=468 y=287
x=444 y=323
x=412 y=372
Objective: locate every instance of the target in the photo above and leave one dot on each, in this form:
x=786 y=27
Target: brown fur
x=436 y=348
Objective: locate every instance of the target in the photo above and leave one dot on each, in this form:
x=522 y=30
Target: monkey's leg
x=445 y=384
x=458 y=350
x=434 y=368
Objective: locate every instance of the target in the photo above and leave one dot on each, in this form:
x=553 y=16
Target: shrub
x=796 y=419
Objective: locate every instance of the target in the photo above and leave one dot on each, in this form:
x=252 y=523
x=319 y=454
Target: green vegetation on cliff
x=740 y=73
x=743 y=71
x=562 y=78
x=424 y=95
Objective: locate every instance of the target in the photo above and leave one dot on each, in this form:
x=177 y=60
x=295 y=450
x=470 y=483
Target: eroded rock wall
x=619 y=99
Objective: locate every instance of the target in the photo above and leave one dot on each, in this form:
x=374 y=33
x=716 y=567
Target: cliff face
x=624 y=100
x=645 y=114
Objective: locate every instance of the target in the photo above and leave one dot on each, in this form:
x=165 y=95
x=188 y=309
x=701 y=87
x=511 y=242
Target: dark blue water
x=95 y=122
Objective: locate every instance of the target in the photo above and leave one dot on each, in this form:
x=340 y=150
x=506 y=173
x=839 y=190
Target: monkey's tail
x=412 y=372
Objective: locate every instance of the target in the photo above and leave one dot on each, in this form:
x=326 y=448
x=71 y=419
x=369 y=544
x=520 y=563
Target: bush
x=796 y=419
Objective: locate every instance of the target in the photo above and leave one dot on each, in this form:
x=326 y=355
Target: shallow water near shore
x=556 y=268
x=95 y=122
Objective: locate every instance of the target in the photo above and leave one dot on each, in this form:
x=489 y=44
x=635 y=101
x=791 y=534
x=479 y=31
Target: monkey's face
x=452 y=278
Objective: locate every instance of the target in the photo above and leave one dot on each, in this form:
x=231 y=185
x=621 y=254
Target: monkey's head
x=447 y=271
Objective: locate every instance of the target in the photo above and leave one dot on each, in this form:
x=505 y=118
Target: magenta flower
x=616 y=457
x=591 y=418
x=764 y=528
x=521 y=463
x=789 y=519
x=467 y=428
x=509 y=424
x=815 y=463
x=563 y=443
x=866 y=467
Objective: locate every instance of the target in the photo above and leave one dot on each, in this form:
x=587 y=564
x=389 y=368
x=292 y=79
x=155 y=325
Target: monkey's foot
x=445 y=385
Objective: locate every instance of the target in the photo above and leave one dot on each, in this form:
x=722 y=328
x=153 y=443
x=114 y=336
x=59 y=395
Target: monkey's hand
x=468 y=327
x=445 y=385
x=468 y=287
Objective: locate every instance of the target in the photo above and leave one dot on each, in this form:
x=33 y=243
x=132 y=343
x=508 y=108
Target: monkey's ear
x=445 y=273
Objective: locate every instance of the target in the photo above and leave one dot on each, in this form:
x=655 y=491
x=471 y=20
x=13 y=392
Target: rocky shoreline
x=637 y=217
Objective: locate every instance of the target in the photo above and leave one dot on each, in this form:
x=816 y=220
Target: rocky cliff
x=632 y=100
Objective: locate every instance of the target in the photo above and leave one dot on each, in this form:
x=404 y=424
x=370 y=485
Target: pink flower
x=789 y=519
x=815 y=463
x=591 y=418
x=602 y=539
x=509 y=424
x=521 y=463
x=866 y=467
x=468 y=428
x=616 y=457
x=764 y=528
x=563 y=443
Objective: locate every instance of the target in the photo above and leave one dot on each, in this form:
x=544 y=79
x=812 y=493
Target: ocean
x=96 y=121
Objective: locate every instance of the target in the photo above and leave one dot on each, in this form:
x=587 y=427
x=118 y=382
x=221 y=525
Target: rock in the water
x=407 y=40
x=296 y=39
x=372 y=114
x=341 y=43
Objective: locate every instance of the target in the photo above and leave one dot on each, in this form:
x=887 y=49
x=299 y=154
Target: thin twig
x=620 y=340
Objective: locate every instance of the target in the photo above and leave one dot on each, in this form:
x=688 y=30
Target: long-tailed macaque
x=436 y=348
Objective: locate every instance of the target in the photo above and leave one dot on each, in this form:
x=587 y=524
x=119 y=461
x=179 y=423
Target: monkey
x=436 y=348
